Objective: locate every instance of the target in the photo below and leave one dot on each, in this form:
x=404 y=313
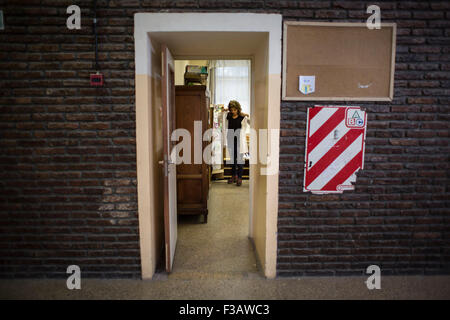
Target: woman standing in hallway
x=236 y=122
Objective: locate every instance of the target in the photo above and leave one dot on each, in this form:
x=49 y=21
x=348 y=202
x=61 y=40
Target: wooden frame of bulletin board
x=348 y=61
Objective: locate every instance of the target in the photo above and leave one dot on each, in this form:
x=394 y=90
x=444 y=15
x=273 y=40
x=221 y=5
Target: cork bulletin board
x=338 y=61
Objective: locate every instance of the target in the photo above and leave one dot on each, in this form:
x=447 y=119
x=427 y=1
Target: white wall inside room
x=232 y=81
x=180 y=67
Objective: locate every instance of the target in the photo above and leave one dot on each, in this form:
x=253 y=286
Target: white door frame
x=264 y=233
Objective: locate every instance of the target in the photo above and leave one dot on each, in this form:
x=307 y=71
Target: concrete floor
x=216 y=261
x=237 y=288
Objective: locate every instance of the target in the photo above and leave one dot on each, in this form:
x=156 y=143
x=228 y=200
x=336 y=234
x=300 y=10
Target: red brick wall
x=68 y=163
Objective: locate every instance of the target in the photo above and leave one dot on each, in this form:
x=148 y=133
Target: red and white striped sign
x=335 y=138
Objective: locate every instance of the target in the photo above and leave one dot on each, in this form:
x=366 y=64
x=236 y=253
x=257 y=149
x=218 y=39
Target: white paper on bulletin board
x=307 y=84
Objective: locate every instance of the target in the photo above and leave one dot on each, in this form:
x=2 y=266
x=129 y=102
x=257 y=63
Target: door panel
x=170 y=174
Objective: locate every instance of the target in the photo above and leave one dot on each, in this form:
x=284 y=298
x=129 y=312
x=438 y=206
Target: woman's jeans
x=236 y=159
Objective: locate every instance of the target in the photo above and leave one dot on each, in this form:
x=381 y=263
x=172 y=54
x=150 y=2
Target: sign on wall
x=335 y=138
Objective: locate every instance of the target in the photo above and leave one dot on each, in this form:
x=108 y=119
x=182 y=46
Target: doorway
x=211 y=36
x=220 y=247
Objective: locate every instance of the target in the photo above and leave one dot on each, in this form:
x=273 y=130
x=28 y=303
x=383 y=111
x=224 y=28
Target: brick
x=124 y=3
x=68 y=150
x=424 y=84
x=80 y=117
x=95 y=126
x=428 y=15
x=62 y=125
x=349 y=5
x=121 y=55
x=280 y=4
x=331 y=14
x=239 y=3
x=425 y=49
x=442 y=5
x=413 y=5
x=421 y=100
x=403 y=142
x=300 y=13
x=125 y=141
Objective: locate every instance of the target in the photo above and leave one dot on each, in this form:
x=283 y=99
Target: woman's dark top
x=234 y=123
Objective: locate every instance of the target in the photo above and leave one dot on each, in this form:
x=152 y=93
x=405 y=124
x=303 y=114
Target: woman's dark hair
x=236 y=105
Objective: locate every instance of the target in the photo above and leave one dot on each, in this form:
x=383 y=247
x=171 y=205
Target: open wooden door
x=170 y=174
